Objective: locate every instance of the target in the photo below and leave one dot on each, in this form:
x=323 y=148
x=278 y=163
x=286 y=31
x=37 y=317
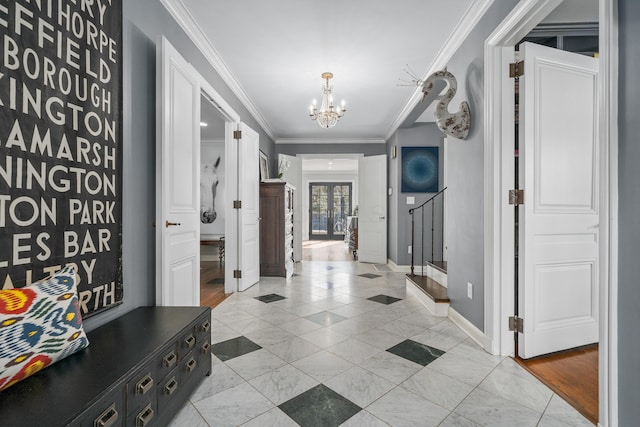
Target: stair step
x=430 y=293
x=438 y=265
x=430 y=287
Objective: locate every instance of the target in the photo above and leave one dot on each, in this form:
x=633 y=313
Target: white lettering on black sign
x=60 y=145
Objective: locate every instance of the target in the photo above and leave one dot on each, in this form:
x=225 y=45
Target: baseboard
x=399 y=268
x=209 y=258
x=467 y=327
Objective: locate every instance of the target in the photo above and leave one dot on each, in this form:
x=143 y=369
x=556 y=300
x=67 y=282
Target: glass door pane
x=341 y=208
x=329 y=206
x=319 y=211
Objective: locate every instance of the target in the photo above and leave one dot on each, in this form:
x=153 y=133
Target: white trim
x=438 y=309
x=608 y=348
x=231 y=119
x=212 y=140
x=183 y=17
x=398 y=268
x=497 y=164
x=497 y=297
x=467 y=327
x=437 y=275
x=329 y=141
x=464 y=27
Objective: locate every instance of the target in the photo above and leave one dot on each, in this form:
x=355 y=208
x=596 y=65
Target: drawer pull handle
x=171 y=386
x=144 y=385
x=191 y=365
x=107 y=418
x=190 y=342
x=205 y=326
x=144 y=417
x=169 y=360
x=206 y=347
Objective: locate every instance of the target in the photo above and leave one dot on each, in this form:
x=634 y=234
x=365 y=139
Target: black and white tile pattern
x=360 y=352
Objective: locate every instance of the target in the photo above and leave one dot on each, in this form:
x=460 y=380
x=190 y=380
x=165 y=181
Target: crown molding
x=464 y=27
x=330 y=141
x=183 y=17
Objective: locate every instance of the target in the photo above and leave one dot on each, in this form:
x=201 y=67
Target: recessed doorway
x=213 y=189
x=329 y=205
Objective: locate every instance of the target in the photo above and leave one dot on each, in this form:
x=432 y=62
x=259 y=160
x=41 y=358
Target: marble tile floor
x=358 y=353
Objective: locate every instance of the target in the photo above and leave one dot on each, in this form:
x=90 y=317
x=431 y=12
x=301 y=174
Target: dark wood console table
x=138 y=370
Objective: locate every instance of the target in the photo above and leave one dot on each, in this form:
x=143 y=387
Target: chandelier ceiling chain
x=328 y=115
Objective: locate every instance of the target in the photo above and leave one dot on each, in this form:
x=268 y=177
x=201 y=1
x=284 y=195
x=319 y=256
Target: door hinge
x=237 y=274
x=516 y=69
x=516 y=197
x=237 y=134
x=237 y=204
x=516 y=324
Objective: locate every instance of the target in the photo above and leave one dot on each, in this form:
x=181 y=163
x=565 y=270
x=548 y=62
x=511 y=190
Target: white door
x=372 y=209
x=558 y=273
x=177 y=180
x=249 y=195
x=293 y=175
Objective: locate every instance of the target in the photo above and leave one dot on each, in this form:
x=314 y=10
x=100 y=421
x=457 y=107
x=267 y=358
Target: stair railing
x=423 y=208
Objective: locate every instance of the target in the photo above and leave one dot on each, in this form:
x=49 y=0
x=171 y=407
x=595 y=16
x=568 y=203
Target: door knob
x=381 y=217
x=169 y=224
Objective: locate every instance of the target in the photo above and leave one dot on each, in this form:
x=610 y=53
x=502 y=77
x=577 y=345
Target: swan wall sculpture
x=455 y=124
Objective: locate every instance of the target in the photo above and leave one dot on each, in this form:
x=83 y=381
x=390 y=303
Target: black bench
x=139 y=369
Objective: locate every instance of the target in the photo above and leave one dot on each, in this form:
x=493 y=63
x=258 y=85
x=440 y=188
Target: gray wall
x=465 y=236
x=420 y=135
x=629 y=218
x=144 y=21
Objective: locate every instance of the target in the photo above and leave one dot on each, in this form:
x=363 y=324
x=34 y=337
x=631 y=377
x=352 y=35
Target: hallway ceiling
x=272 y=55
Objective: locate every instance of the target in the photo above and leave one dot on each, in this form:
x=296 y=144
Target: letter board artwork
x=61 y=145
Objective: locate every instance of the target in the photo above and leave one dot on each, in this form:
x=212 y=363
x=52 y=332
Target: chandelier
x=328 y=115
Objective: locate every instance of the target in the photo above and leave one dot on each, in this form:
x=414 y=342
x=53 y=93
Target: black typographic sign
x=60 y=145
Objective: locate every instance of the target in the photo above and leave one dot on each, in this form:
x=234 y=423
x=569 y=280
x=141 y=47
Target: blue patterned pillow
x=39 y=325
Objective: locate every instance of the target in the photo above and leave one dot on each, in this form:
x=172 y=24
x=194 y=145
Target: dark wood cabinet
x=138 y=370
x=276 y=229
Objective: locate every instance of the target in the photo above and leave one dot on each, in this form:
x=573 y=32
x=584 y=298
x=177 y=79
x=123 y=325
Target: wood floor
x=572 y=375
x=211 y=283
x=325 y=250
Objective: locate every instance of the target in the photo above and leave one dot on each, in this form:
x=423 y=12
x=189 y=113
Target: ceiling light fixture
x=328 y=115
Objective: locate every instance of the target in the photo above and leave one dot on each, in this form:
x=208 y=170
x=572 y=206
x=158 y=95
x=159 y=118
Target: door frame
x=498 y=167
x=331 y=185
x=231 y=122
x=231 y=119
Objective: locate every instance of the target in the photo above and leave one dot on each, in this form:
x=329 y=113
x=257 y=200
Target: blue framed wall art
x=420 y=169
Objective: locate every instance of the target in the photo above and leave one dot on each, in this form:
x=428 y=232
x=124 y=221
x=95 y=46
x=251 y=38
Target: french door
x=329 y=206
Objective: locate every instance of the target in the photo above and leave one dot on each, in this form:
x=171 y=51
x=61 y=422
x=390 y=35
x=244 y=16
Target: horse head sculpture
x=208 y=187
x=454 y=124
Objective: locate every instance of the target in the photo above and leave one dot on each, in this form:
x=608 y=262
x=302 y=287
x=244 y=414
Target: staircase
x=431 y=289
x=429 y=286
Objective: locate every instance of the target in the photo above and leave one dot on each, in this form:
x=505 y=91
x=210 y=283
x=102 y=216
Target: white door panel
x=372 y=210
x=559 y=219
x=177 y=168
x=249 y=194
